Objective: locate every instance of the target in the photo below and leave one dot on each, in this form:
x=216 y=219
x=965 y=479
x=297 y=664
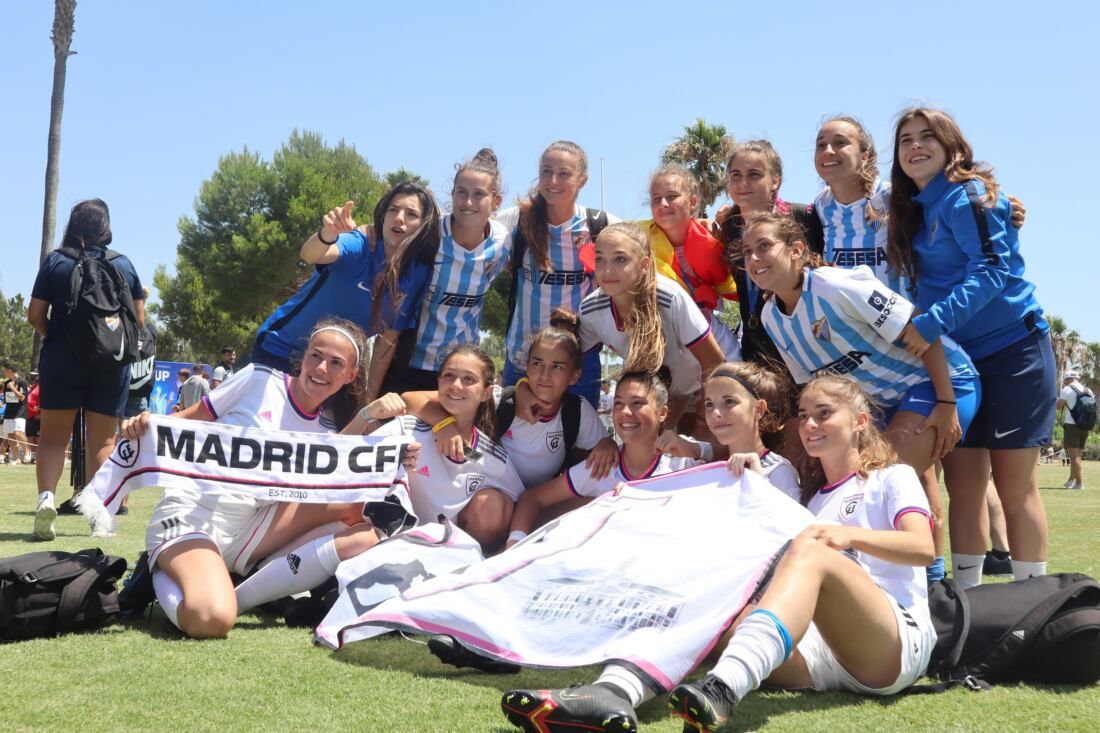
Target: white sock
x=45 y=496
x=305 y=567
x=759 y=645
x=967 y=569
x=1022 y=570
x=623 y=679
x=332 y=528
x=169 y=595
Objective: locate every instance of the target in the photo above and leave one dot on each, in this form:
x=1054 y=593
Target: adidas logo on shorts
x=293 y=561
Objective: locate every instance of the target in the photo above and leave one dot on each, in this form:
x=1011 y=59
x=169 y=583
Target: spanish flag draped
x=706 y=275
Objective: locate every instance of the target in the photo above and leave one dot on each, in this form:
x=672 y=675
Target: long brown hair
x=905 y=214
x=420 y=246
x=874 y=450
x=485 y=419
x=534 y=219
x=646 y=350
x=787 y=231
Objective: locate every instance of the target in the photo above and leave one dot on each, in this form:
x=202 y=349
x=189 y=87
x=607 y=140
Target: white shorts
x=13 y=425
x=727 y=339
x=918 y=637
x=236 y=524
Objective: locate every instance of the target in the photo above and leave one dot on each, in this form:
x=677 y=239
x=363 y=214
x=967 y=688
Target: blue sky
x=158 y=91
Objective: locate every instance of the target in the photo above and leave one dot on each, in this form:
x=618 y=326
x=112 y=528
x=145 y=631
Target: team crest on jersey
x=474 y=481
x=849 y=505
x=553 y=441
x=821 y=329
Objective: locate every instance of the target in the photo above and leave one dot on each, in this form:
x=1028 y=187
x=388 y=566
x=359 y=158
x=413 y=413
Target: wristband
x=449 y=420
x=523 y=380
x=364 y=414
x=946 y=402
x=516 y=535
x=325 y=241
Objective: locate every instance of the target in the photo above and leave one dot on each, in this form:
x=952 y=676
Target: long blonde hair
x=643 y=323
x=874 y=450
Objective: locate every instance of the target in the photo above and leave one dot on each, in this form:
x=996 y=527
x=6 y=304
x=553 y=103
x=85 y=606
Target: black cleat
x=997 y=564
x=573 y=710
x=137 y=590
x=704 y=705
x=67 y=508
x=449 y=651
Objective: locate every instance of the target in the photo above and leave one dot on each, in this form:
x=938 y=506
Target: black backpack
x=570 y=419
x=1084 y=409
x=1044 y=629
x=597 y=220
x=100 y=318
x=49 y=593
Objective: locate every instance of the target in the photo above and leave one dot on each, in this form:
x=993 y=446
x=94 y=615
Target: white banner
x=311 y=468
x=648 y=578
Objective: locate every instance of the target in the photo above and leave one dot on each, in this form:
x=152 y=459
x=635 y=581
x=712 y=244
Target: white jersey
x=439 y=485
x=540 y=291
x=581 y=483
x=538 y=451
x=878 y=502
x=683 y=324
x=847 y=322
x=856 y=233
x=259 y=397
x=781 y=474
x=451 y=312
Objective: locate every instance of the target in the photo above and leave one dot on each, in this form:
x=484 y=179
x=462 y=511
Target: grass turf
x=144 y=676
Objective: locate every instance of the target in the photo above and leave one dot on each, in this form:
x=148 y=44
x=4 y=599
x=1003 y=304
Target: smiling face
x=402 y=218
x=732 y=413
x=551 y=370
x=919 y=152
x=619 y=264
x=473 y=199
x=636 y=414
x=670 y=203
x=462 y=385
x=771 y=264
x=837 y=156
x=327 y=365
x=560 y=178
x=828 y=427
x=750 y=183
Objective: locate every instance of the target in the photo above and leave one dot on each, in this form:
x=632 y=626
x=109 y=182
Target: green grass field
x=265 y=676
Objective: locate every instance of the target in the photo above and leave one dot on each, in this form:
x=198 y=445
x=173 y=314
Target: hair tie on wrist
x=516 y=535
x=946 y=402
x=445 y=422
x=325 y=241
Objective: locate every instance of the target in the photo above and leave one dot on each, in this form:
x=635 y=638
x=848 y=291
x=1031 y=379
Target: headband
x=343 y=332
x=740 y=380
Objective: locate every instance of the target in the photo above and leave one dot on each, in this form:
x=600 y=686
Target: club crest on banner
x=126 y=453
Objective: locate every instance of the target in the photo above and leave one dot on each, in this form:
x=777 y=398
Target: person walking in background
x=15 y=414
x=33 y=416
x=67 y=385
x=1074 y=436
x=224 y=369
x=195 y=388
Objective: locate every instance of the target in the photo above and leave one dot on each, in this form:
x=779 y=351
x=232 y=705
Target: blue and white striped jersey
x=541 y=291
x=451 y=311
x=847 y=322
x=856 y=233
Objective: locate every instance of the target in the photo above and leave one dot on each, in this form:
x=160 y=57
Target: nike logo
x=999 y=434
x=967 y=567
x=118 y=356
x=362 y=286
x=927 y=402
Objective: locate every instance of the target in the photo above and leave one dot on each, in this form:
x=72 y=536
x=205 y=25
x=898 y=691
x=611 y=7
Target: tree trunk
x=62 y=38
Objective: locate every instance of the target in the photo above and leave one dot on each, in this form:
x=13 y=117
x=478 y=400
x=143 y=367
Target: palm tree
x=401 y=175
x=702 y=150
x=62 y=37
x=1058 y=342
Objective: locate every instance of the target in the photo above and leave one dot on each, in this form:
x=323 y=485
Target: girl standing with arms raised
x=553 y=237
x=950 y=233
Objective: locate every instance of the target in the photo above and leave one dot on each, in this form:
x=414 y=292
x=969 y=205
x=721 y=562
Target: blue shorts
x=135 y=405
x=65 y=385
x=588 y=386
x=1019 y=393
x=922 y=398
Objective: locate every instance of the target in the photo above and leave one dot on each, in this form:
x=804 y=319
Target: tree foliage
x=702 y=149
x=16 y=334
x=401 y=175
x=237 y=257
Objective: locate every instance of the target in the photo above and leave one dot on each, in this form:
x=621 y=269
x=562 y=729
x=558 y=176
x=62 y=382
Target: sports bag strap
x=978 y=208
x=519 y=249
x=597 y=220
x=506 y=413
x=971 y=683
x=953 y=656
x=73 y=594
x=570 y=423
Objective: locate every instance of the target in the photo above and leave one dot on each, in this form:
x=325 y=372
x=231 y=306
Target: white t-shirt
x=259 y=397
x=879 y=502
x=1069 y=396
x=781 y=473
x=683 y=324
x=607 y=402
x=439 y=485
x=537 y=451
x=581 y=483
